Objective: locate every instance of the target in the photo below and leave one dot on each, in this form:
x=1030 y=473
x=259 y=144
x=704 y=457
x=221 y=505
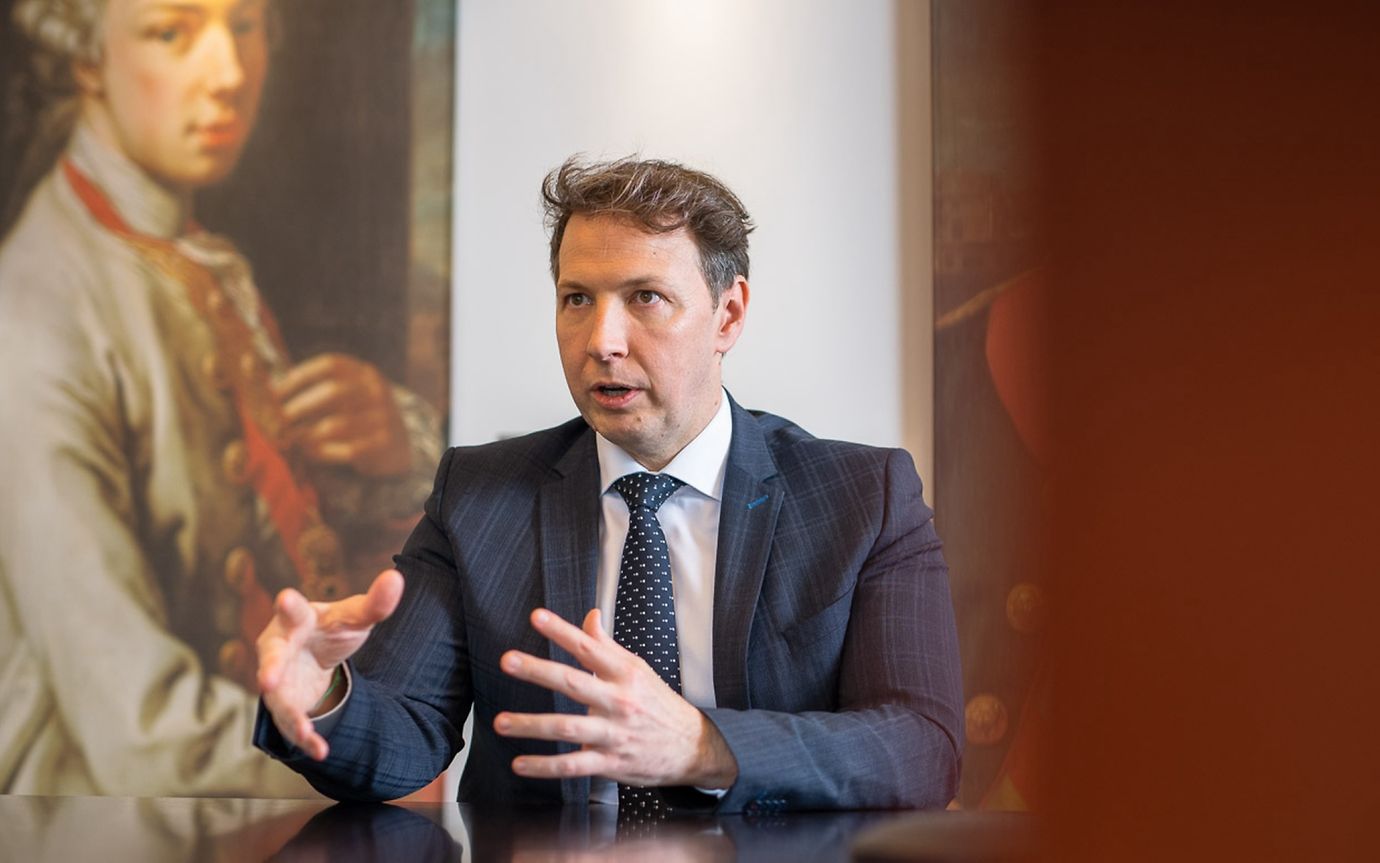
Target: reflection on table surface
x=117 y=829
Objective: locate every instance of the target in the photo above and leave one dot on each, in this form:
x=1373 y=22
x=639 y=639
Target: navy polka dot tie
x=644 y=614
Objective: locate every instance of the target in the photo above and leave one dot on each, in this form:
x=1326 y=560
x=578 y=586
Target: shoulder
x=53 y=231
x=797 y=452
x=835 y=489
x=56 y=262
x=524 y=461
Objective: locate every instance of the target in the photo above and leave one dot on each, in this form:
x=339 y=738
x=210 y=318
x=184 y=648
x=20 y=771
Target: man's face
x=177 y=88
x=639 y=336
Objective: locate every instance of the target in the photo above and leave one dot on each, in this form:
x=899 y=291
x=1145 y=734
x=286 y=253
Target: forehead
x=123 y=7
x=610 y=245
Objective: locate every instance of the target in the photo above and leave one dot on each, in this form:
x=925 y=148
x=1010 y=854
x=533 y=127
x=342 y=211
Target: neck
x=148 y=205
x=655 y=461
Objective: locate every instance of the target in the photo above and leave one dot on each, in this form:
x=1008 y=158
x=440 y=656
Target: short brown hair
x=662 y=197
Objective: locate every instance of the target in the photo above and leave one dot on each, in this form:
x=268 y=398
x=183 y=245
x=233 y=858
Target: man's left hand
x=638 y=730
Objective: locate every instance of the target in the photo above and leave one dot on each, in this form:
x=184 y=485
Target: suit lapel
x=569 y=554
x=752 y=500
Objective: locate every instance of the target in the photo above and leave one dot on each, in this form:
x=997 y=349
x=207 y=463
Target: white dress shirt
x=690 y=520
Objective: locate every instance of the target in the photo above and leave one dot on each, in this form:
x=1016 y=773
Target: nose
x=608 y=332
x=224 y=64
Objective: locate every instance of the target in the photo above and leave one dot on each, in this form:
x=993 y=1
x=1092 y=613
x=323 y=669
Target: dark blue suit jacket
x=835 y=657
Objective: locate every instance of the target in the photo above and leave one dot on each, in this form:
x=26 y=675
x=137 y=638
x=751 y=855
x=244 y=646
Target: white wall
x=791 y=102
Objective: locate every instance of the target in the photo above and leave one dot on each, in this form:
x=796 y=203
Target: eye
x=647 y=298
x=576 y=299
x=171 y=33
x=247 y=24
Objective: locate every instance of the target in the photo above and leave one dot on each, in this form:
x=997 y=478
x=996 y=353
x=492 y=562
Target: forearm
x=409 y=686
x=883 y=758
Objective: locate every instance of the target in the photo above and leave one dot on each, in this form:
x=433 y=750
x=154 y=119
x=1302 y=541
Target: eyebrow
x=638 y=282
x=171 y=8
x=196 y=8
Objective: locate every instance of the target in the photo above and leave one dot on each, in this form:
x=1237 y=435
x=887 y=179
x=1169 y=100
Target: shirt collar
x=147 y=207
x=699 y=465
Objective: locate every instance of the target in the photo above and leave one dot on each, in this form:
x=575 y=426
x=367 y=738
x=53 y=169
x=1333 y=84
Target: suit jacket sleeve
x=413 y=680
x=893 y=735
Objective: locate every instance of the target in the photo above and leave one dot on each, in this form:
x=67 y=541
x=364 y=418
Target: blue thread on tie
x=760 y=500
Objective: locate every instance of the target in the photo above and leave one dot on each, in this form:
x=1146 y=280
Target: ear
x=88 y=78
x=731 y=314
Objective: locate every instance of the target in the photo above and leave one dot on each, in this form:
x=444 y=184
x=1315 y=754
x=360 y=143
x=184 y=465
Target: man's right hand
x=303 y=645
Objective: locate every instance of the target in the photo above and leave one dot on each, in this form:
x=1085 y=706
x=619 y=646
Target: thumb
x=383 y=596
x=363 y=610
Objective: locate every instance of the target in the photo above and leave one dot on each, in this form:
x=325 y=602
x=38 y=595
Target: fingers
x=292 y=610
x=333 y=427
x=329 y=384
x=381 y=451
x=298 y=729
x=314 y=744
x=311 y=371
x=293 y=621
x=597 y=652
x=572 y=728
x=582 y=762
x=384 y=594
x=558 y=677
x=367 y=436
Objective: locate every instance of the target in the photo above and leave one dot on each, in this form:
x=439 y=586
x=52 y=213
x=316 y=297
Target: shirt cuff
x=326 y=722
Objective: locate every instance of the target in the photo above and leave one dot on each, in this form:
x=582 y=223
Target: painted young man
x=165 y=466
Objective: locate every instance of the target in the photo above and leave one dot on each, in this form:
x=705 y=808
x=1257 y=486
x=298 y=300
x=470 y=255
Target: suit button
x=234 y=462
x=239 y=568
x=985 y=719
x=1025 y=608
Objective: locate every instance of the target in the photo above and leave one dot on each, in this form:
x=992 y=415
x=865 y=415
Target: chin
x=619 y=433
x=206 y=171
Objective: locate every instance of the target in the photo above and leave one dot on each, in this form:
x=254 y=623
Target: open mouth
x=614 y=392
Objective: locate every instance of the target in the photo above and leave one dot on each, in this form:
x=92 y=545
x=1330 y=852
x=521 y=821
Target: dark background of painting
x=319 y=203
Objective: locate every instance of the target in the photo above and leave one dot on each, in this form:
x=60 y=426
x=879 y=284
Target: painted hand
x=638 y=731
x=340 y=410
x=303 y=644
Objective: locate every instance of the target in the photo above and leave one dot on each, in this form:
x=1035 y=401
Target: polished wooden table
x=117 y=829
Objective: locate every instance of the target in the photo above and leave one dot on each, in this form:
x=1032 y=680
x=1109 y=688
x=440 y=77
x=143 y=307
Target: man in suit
x=766 y=616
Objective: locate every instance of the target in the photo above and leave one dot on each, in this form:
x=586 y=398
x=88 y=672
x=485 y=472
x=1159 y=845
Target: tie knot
x=647 y=490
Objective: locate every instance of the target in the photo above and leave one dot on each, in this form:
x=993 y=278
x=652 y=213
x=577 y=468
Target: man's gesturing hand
x=638 y=730
x=303 y=644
